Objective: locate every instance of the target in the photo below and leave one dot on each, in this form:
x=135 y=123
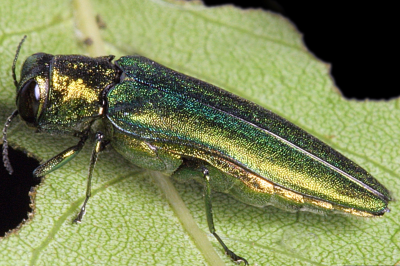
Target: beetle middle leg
x=99 y=146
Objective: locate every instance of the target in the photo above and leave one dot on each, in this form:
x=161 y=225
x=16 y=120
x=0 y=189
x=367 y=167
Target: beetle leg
x=210 y=221
x=99 y=146
x=60 y=159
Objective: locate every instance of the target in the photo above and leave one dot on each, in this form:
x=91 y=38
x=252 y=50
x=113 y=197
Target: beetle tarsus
x=236 y=258
x=79 y=218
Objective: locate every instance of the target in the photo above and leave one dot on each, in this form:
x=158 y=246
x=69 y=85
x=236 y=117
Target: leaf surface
x=252 y=53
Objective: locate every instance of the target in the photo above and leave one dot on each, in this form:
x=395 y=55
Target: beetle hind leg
x=210 y=220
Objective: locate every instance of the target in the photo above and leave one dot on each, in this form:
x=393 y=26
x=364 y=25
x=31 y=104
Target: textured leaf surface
x=252 y=53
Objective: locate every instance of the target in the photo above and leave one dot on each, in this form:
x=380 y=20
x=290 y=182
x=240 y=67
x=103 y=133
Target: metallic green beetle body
x=163 y=120
x=175 y=116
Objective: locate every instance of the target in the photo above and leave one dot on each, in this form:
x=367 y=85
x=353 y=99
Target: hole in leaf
x=14 y=190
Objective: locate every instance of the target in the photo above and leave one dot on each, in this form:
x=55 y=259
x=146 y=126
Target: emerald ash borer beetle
x=163 y=120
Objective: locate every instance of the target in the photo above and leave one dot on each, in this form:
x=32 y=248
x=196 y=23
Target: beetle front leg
x=60 y=159
x=210 y=220
x=99 y=146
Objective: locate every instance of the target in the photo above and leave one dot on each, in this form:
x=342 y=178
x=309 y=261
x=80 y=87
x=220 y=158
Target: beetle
x=163 y=120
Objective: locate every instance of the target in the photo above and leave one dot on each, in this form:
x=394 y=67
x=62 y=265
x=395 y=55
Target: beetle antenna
x=15 y=62
x=6 y=159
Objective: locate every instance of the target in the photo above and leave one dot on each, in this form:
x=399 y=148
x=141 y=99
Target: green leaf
x=255 y=54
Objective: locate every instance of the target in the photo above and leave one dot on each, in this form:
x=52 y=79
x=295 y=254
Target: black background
x=357 y=39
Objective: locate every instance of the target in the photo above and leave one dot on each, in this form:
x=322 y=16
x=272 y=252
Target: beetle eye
x=28 y=101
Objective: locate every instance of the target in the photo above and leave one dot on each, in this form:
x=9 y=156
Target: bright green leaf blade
x=254 y=54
